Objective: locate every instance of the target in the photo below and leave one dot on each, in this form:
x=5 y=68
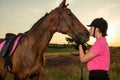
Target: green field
x=70 y=69
x=64 y=64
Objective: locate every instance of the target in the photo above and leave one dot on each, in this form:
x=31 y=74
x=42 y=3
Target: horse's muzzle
x=82 y=38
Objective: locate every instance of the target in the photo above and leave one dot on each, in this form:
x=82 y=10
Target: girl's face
x=91 y=30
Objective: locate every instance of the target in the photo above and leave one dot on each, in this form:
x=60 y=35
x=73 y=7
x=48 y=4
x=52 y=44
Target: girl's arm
x=84 y=57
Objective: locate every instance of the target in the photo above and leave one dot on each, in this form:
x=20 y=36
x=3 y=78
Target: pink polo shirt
x=102 y=59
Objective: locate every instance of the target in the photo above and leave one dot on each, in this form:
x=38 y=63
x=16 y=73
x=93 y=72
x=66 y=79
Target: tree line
x=71 y=44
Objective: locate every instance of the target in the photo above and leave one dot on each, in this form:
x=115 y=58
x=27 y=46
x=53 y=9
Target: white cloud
x=109 y=9
x=111 y=13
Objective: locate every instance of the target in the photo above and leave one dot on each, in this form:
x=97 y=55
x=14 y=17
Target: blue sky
x=19 y=15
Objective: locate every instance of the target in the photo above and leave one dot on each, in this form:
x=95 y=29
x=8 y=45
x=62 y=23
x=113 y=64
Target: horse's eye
x=69 y=14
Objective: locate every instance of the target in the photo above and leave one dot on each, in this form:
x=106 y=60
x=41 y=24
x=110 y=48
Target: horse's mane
x=37 y=23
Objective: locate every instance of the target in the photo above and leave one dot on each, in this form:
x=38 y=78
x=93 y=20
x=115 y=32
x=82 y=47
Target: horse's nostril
x=88 y=34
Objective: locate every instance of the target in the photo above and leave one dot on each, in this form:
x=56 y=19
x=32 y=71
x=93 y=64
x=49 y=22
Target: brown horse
x=28 y=57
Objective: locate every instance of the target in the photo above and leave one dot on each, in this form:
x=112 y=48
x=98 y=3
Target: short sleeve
x=97 y=48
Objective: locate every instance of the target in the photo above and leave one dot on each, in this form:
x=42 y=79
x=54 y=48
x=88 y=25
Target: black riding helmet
x=101 y=24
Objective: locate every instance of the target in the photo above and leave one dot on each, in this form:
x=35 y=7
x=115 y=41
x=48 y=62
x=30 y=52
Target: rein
x=74 y=32
x=70 y=27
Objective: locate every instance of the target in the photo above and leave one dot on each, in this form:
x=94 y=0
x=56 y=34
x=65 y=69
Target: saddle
x=6 y=49
x=10 y=38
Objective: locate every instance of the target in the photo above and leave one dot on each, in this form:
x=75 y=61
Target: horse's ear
x=62 y=5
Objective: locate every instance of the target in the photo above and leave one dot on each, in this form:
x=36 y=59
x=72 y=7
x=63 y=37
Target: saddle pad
x=15 y=44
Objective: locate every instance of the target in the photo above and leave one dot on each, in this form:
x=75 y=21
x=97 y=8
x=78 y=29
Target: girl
x=98 y=57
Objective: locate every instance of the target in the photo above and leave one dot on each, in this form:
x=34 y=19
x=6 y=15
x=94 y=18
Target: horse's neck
x=40 y=36
x=43 y=40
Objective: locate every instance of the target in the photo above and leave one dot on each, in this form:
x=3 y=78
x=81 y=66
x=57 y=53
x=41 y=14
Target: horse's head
x=67 y=23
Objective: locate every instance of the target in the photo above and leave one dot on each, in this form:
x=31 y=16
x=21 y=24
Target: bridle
x=71 y=28
x=76 y=36
x=58 y=22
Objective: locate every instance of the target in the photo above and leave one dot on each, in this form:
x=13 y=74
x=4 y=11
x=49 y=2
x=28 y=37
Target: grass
x=73 y=72
x=114 y=72
x=60 y=65
x=59 y=50
x=61 y=74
